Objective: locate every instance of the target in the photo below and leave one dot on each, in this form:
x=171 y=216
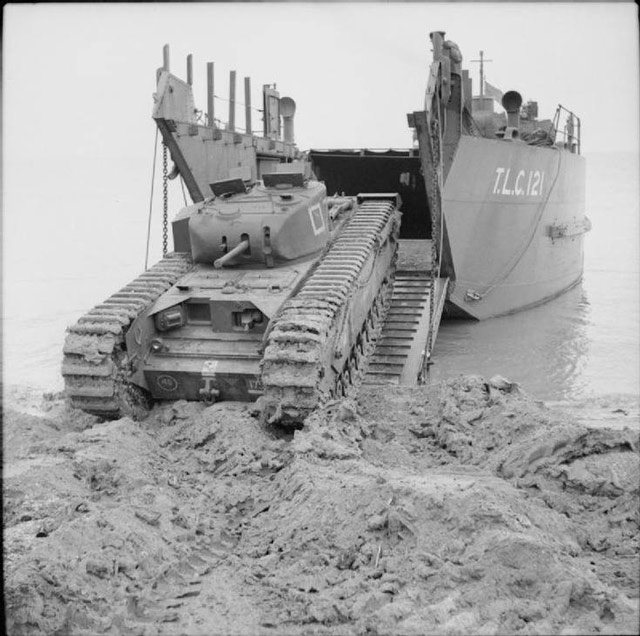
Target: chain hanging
x=436 y=228
x=165 y=199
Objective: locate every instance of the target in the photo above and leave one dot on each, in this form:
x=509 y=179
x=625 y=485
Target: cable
x=238 y=103
x=184 y=196
x=153 y=175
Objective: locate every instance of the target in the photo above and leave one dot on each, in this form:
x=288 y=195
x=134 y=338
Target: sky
x=81 y=76
x=78 y=138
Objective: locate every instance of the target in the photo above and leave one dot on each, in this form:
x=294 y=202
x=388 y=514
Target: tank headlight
x=156 y=345
x=248 y=318
x=171 y=318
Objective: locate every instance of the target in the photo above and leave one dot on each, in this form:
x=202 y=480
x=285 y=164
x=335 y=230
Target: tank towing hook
x=209 y=393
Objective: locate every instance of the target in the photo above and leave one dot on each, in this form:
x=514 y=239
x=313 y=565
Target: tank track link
x=301 y=366
x=95 y=360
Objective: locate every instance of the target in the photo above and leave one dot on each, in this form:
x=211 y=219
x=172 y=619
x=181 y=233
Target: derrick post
x=232 y=101
x=210 y=108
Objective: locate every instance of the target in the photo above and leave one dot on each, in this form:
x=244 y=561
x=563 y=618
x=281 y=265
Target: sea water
x=584 y=343
x=75 y=232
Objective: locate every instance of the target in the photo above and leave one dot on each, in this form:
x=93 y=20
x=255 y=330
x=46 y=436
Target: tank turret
x=282 y=218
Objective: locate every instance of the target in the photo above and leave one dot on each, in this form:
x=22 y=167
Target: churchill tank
x=272 y=290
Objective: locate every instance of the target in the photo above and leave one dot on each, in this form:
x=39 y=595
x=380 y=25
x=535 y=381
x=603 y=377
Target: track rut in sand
x=459 y=508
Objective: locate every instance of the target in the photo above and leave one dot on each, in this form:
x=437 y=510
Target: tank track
x=300 y=370
x=95 y=361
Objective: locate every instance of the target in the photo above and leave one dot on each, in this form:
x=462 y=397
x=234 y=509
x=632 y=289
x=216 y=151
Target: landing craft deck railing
x=205 y=153
x=571 y=131
x=208 y=117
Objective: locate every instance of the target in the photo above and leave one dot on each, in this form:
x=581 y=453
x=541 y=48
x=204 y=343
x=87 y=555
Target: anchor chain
x=436 y=225
x=165 y=200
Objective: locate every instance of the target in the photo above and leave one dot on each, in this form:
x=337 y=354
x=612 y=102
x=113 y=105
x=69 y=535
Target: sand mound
x=462 y=508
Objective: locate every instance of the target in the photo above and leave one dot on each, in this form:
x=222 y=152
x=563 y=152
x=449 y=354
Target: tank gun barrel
x=240 y=248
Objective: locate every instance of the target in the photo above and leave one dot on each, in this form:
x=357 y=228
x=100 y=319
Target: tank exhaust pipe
x=288 y=110
x=240 y=248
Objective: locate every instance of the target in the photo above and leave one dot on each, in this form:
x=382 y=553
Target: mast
x=482 y=61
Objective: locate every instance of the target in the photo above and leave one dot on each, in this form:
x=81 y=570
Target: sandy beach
x=465 y=507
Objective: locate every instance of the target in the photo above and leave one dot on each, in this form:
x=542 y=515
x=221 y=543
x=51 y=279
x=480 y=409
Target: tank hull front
x=514 y=217
x=211 y=356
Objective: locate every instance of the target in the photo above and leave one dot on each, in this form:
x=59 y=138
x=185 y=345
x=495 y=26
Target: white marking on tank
x=209 y=367
x=317 y=220
x=167 y=383
x=208 y=391
x=519 y=190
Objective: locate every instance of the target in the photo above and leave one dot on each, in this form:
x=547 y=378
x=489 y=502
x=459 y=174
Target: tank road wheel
x=337 y=391
x=368 y=328
x=375 y=310
x=359 y=342
x=354 y=359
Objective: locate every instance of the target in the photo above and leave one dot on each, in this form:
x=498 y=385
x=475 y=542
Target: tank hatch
x=228 y=187
x=283 y=180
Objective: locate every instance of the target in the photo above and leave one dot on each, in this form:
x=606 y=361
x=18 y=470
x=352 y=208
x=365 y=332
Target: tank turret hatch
x=283 y=180
x=228 y=187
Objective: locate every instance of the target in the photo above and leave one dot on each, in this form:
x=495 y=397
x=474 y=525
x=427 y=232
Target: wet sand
x=463 y=508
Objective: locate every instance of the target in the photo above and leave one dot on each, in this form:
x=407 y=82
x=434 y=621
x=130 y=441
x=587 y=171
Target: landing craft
x=278 y=292
x=501 y=195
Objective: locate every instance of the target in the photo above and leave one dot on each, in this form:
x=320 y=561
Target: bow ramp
x=403 y=349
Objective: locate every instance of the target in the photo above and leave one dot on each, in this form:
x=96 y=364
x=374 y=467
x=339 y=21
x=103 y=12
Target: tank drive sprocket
x=319 y=338
x=95 y=361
